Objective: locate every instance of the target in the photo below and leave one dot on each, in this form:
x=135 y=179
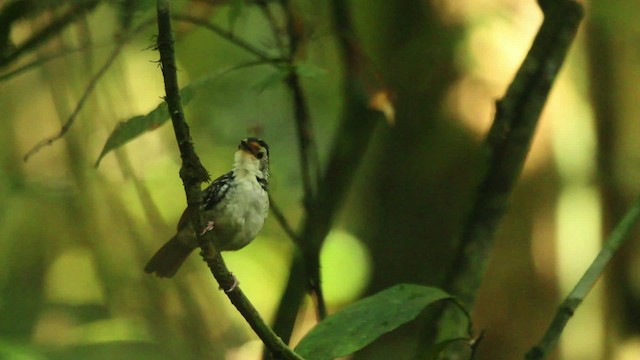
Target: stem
x=587 y=282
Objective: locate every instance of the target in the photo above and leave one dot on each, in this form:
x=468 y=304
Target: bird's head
x=253 y=156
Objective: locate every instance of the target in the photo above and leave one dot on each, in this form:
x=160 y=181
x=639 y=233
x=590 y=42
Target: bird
x=235 y=206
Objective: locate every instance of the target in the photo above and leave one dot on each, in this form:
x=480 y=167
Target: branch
x=507 y=145
x=275 y=29
x=282 y=220
x=41 y=61
x=193 y=174
x=586 y=283
x=229 y=36
x=358 y=121
x=308 y=156
x=55 y=27
x=87 y=91
x=304 y=130
x=85 y=95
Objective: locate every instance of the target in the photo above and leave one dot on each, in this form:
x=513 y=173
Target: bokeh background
x=74 y=238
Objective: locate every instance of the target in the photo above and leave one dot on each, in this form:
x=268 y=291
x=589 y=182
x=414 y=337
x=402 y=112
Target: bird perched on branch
x=235 y=204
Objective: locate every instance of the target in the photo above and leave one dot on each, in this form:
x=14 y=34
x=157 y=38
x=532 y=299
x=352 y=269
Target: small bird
x=235 y=204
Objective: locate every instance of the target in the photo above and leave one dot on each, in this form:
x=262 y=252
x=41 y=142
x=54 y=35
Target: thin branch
x=41 y=61
x=243 y=44
x=276 y=346
x=273 y=23
x=357 y=124
x=306 y=142
x=587 y=282
x=507 y=145
x=46 y=58
x=193 y=174
x=55 y=27
x=87 y=92
x=85 y=95
x=282 y=220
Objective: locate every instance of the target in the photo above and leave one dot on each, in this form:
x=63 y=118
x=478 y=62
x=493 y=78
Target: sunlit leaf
x=129 y=129
x=360 y=323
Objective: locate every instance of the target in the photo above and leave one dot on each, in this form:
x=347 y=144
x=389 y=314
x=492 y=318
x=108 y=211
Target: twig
x=41 y=61
x=49 y=31
x=282 y=220
x=193 y=174
x=587 y=282
x=227 y=35
x=87 y=92
x=308 y=152
x=507 y=145
x=45 y=59
x=475 y=343
x=275 y=29
x=85 y=95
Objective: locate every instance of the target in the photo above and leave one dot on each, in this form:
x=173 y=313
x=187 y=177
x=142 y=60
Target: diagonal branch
x=85 y=95
x=586 y=283
x=193 y=174
x=282 y=220
x=55 y=27
x=241 y=43
x=87 y=92
x=507 y=145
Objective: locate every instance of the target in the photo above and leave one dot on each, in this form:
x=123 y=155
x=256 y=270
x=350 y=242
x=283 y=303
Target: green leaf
x=435 y=351
x=235 y=9
x=128 y=130
x=17 y=351
x=360 y=323
x=272 y=79
x=310 y=71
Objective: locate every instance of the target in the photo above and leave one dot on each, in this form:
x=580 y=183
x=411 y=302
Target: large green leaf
x=129 y=129
x=360 y=323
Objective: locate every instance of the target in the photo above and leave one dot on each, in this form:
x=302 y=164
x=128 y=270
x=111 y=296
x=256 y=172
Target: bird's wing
x=211 y=196
x=216 y=191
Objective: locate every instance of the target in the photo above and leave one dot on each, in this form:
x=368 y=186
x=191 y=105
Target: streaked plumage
x=237 y=203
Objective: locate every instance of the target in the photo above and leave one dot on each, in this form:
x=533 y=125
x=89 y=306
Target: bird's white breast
x=241 y=214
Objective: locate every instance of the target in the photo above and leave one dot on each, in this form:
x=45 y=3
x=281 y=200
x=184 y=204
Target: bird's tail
x=166 y=261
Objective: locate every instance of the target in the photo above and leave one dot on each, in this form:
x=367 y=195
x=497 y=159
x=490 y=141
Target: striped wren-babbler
x=235 y=204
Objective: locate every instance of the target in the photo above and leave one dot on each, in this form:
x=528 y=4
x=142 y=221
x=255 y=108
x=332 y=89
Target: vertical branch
x=358 y=120
x=193 y=174
x=306 y=143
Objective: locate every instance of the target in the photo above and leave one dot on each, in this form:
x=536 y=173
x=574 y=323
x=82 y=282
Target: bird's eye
x=260 y=155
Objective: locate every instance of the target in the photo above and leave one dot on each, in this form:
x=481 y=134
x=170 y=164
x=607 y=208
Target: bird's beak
x=246 y=146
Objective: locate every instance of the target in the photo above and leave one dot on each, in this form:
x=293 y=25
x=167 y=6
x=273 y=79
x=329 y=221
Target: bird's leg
x=208 y=228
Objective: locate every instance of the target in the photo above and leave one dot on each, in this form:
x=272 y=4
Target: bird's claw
x=233 y=286
x=208 y=228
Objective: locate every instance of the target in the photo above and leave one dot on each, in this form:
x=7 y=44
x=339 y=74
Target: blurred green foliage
x=74 y=238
